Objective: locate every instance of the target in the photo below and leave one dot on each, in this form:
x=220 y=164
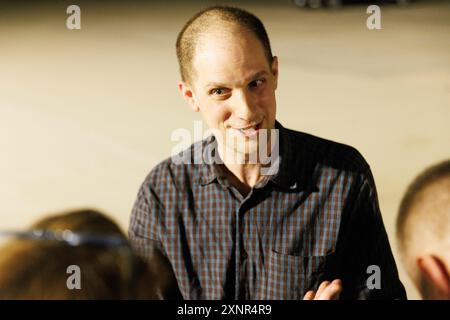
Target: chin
x=245 y=152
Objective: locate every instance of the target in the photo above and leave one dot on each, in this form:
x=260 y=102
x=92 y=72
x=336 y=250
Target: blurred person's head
x=423 y=231
x=229 y=74
x=38 y=268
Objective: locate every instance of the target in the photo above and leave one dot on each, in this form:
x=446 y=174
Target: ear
x=188 y=95
x=434 y=271
x=274 y=68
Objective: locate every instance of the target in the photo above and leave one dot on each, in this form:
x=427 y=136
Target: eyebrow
x=256 y=75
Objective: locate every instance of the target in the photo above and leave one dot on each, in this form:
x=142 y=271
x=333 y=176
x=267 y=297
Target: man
x=240 y=229
x=423 y=231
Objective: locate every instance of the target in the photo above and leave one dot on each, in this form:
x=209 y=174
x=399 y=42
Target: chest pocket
x=309 y=230
x=289 y=277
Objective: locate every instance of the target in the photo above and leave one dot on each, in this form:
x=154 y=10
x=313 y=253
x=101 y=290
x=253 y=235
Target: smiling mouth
x=250 y=130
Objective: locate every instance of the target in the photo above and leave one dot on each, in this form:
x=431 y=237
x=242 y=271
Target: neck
x=247 y=174
x=244 y=171
x=241 y=174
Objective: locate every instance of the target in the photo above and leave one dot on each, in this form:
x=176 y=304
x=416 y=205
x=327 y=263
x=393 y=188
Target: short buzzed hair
x=419 y=191
x=188 y=37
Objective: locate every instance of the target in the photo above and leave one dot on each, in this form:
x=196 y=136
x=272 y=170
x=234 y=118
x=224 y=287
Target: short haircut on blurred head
x=424 y=213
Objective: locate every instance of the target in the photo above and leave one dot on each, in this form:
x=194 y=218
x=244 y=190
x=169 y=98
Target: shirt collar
x=296 y=171
x=207 y=171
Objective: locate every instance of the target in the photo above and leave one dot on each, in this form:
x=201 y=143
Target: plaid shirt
x=317 y=219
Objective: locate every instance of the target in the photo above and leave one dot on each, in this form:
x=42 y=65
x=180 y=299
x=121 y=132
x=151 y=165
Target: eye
x=256 y=83
x=217 y=91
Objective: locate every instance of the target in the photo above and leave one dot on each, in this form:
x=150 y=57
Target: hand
x=327 y=291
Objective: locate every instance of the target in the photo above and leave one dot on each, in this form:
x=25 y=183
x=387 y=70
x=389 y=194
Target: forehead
x=228 y=57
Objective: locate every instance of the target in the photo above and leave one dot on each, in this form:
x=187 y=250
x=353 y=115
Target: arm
x=145 y=240
x=372 y=272
x=143 y=230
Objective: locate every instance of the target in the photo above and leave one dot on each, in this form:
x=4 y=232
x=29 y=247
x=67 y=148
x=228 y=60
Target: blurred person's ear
x=188 y=94
x=435 y=276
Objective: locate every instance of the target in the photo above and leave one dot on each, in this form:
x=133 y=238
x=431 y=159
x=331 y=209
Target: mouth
x=250 y=130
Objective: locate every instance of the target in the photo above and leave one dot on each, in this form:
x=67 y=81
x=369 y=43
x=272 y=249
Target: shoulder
x=179 y=171
x=327 y=153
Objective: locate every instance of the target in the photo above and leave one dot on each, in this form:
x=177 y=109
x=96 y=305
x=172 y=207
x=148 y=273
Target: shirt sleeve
x=144 y=228
x=371 y=271
x=144 y=234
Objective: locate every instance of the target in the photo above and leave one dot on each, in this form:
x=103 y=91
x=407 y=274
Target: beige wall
x=85 y=115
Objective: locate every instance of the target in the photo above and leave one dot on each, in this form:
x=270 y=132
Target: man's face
x=233 y=86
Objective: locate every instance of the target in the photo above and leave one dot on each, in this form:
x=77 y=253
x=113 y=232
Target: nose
x=243 y=106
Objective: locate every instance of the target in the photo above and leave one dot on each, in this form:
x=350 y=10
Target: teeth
x=251 y=129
